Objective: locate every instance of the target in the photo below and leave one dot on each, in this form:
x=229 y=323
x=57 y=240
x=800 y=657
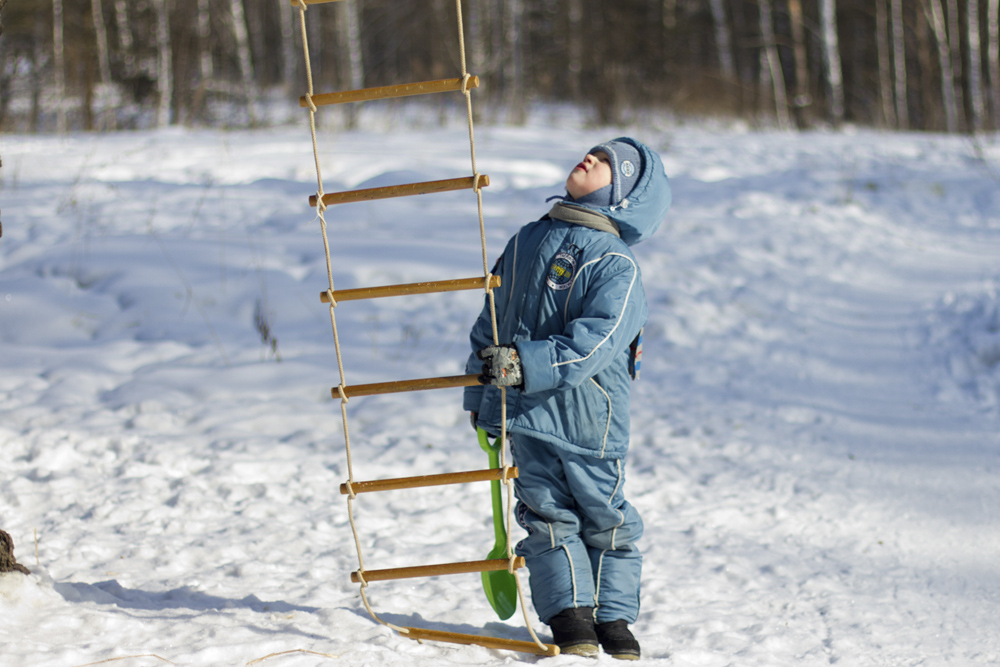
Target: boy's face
x=592 y=174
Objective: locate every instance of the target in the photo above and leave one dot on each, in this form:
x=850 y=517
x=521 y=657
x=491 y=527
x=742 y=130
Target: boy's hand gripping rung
x=407 y=385
x=407 y=289
x=388 y=192
x=390 y=92
x=492 y=565
x=429 y=480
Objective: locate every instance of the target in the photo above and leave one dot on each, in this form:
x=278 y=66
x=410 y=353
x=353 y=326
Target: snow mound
x=20 y=592
x=965 y=335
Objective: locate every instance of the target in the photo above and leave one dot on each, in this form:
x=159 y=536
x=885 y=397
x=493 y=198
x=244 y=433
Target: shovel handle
x=493 y=451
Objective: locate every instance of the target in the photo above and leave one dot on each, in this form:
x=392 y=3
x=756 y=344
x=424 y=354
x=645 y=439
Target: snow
x=815 y=432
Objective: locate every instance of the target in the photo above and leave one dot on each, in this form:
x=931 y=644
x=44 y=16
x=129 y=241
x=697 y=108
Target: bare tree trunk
x=206 y=67
x=930 y=101
x=476 y=49
x=103 y=60
x=164 y=64
x=954 y=27
x=993 y=56
x=764 y=86
x=884 y=66
x=723 y=40
x=5 y=81
x=351 y=64
x=744 y=60
x=125 y=39
x=774 y=64
x=498 y=40
x=476 y=44
x=206 y=70
x=669 y=14
x=513 y=80
x=257 y=40
x=86 y=68
x=975 y=66
x=5 y=84
x=289 y=57
x=244 y=58
x=831 y=57
x=37 y=58
x=352 y=26
x=944 y=61
x=575 y=18
x=899 y=63
x=802 y=97
x=59 y=64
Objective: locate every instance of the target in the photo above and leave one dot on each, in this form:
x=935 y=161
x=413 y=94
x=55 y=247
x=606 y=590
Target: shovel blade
x=500 y=586
x=501 y=591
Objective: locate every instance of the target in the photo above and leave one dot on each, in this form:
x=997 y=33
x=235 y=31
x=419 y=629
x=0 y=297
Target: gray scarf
x=585 y=217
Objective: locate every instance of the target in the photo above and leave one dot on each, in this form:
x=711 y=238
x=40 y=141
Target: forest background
x=901 y=64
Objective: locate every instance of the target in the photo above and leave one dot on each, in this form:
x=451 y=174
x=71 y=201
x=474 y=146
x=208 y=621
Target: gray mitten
x=502 y=366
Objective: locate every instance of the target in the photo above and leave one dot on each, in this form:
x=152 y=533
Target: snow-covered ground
x=815 y=432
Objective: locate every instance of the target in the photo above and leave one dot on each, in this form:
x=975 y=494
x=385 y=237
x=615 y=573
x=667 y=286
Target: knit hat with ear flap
x=626 y=168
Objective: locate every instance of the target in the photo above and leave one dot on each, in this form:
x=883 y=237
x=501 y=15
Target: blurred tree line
x=906 y=64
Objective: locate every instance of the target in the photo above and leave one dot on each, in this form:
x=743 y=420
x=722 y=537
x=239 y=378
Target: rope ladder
x=487 y=282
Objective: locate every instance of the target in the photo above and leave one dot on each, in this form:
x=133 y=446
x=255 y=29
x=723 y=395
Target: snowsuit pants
x=580 y=549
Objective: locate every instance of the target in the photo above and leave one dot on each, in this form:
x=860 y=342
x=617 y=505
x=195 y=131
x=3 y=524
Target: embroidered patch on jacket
x=561 y=271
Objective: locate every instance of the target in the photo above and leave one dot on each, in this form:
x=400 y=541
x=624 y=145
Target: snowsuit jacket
x=572 y=302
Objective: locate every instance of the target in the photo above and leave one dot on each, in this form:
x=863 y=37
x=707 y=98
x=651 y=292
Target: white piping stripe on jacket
x=635 y=274
x=607 y=426
x=597 y=582
x=513 y=273
x=614 y=534
x=619 y=484
x=572 y=572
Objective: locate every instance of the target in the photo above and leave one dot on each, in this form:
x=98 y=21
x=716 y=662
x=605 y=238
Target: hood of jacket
x=641 y=213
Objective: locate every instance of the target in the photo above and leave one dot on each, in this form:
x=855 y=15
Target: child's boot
x=573 y=631
x=617 y=640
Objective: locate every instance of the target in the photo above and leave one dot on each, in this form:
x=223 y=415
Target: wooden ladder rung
x=488 y=475
x=492 y=565
x=410 y=288
x=407 y=385
x=489 y=642
x=389 y=92
x=406 y=190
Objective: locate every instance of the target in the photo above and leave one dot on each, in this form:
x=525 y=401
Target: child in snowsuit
x=570 y=307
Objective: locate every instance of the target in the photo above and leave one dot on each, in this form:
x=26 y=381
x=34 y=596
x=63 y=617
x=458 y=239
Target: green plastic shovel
x=500 y=586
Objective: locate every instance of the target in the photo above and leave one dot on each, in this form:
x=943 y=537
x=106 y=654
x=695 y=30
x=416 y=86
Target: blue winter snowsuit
x=571 y=300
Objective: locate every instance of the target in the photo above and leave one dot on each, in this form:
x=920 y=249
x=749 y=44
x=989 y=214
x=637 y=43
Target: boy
x=570 y=306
